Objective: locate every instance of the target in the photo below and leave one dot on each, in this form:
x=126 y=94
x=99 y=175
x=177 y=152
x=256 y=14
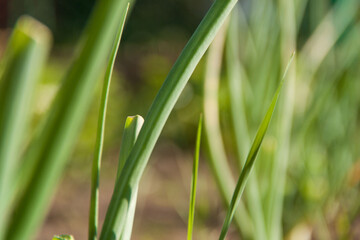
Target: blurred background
x=323 y=161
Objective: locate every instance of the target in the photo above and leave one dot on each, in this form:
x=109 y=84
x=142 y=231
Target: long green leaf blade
x=131 y=131
x=95 y=177
x=25 y=56
x=276 y=189
x=162 y=106
x=236 y=82
x=194 y=181
x=214 y=142
x=250 y=160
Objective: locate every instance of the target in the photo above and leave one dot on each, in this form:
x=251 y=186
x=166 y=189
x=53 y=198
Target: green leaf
x=95 y=177
x=132 y=128
x=24 y=58
x=194 y=181
x=215 y=146
x=49 y=151
x=161 y=108
x=131 y=132
x=250 y=160
x=236 y=85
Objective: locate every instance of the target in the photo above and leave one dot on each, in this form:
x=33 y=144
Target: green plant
x=260 y=37
x=159 y=112
x=250 y=160
x=48 y=152
x=44 y=159
x=95 y=176
x=318 y=132
x=25 y=56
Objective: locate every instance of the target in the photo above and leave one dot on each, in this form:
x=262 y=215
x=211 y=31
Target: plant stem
x=95 y=176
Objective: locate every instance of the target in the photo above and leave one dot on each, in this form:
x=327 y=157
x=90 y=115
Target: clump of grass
x=250 y=160
x=49 y=150
x=253 y=65
x=160 y=110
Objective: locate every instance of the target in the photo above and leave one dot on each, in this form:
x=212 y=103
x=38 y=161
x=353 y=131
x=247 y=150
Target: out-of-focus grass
x=308 y=156
x=250 y=160
x=25 y=56
x=28 y=184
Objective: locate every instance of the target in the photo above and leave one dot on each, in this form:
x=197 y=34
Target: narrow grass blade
x=236 y=82
x=131 y=131
x=215 y=147
x=25 y=56
x=162 y=106
x=250 y=160
x=194 y=181
x=274 y=202
x=49 y=151
x=95 y=177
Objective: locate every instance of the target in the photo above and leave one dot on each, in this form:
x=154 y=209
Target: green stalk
x=250 y=160
x=161 y=108
x=279 y=168
x=238 y=114
x=95 y=176
x=49 y=151
x=194 y=182
x=131 y=131
x=215 y=147
x=25 y=56
x=132 y=128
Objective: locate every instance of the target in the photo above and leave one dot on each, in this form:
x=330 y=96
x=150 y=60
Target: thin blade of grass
x=162 y=106
x=25 y=56
x=215 y=146
x=49 y=151
x=250 y=160
x=274 y=202
x=131 y=131
x=236 y=82
x=95 y=176
x=194 y=181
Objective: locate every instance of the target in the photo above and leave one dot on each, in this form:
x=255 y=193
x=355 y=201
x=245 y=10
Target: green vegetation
x=94 y=200
x=300 y=172
x=194 y=178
